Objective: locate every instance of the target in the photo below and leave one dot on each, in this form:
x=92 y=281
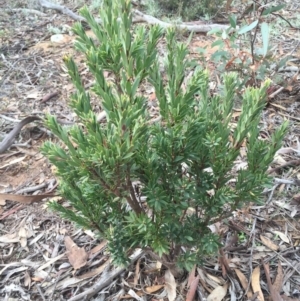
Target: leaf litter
x=46 y=258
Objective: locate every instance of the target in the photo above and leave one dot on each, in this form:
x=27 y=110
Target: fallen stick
x=105 y=280
x=10 y=137
x=139 y=17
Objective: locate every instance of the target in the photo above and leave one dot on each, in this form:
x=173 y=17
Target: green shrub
x=190 y=10
x=158 y=184
x=247 y=48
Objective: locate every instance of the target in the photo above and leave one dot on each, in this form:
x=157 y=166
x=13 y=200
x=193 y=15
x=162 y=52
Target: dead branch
x=139 y=17
x=64 y=10
x=10 y=137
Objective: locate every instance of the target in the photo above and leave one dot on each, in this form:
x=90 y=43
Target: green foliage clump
x=190 y=10
x=159 y=184
x=240 y=49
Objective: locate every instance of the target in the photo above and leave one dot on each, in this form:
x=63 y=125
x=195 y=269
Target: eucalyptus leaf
x=273 y=9
x=265 y=32
x=247 y=28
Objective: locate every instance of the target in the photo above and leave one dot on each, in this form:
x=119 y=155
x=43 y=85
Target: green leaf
x=283 y=62
x=273 y=9
x=219 y=43
x=233 y=21
x=265 y=37
x=214 y=30
x=247 y=28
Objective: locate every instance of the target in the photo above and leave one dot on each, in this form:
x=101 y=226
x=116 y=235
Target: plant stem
x=132 y=200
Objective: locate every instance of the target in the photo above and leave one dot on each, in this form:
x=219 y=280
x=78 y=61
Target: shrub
x=241 y=50
x=158 y=184
x=190 y=10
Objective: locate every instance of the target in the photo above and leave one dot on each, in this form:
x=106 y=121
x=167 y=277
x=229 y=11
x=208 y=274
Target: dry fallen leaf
x=50 y=262
x=137 y=272
x=33 y=94
x=23 y=235
x=279 y=278
x=273 y=293
x=94 y=272
x=203 y=280
x=191 y=276
x=77 y=256
x=12 y=162
x=153 y=289
x=9 y=238
x=218 y=280
x=267 y=242
x=130 y=296
x=255 y=283
x=244 y=282
x=152 y=96
x=98 y=248
x=24 y=199
x=135 y=295
x=37 y=279
x=218 y=293
x=282 y=236
x=158 y=265
x=27 y=280
x=278 y=159
x=192 y=289
x=170 y=285
x=286 y=150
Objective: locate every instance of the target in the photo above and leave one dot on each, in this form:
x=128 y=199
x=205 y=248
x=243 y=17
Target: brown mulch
x=43 y=257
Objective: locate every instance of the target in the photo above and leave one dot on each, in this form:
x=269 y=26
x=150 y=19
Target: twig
x=286 y=181
x=64 y=10
x=49 y=96
x=25 y=144
x=141 y=17
x=11 y=211
x=251 y=253
x=290 y=163
x=254 y=39
x=10 y=137
x=9 y=118
x=274 y=294
x=275 y=93
x=282 y=258
x=40 y=291
x=132 y=200
x=105 y=280
x=32 y=188
x=11 y=68
x=286 y=252
x=271 y=193
x=55 y=284
x=291 y=117
x=287 y=21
